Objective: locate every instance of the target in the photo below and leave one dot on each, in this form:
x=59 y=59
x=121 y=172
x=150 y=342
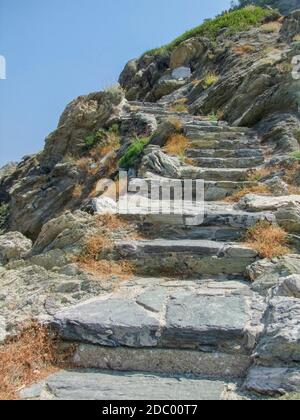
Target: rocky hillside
x=214 y=302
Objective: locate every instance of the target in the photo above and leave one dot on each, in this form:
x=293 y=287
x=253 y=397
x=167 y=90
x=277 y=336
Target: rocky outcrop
x=82 y=117
x=13 y=246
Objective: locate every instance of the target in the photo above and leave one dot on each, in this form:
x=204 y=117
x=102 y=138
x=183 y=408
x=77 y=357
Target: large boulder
x=187 y=52
x=159 y=163
x=13 y=245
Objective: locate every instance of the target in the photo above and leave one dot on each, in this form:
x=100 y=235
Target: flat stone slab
x=281 y=337
x=273 y=381
x=200 y=321
x=193 y=316
x=96 y=385
x=254 y=202
x=197 y=247
x=109 y=322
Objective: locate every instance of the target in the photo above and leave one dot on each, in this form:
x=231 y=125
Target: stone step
x=194 y=258
x=219 y=222
x=215 y=174
x=213 y=190
x=195 y=130
x=226 y=141
x=224 y=153
x=95 y=385
x=242 y=162
x=214 y=318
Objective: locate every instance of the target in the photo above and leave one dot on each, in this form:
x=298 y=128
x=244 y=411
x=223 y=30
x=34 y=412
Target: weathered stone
x=273 y=381
x=110 y=322
x=266 y=274
x=277 y=186
x=166 y=361
x=160 y=163
x=13 y=246
x=288 y=217
x=291 y=24
x=205 y=322
x=289 y=286
x=95 y=385
x=280 y=340
x=252 y=202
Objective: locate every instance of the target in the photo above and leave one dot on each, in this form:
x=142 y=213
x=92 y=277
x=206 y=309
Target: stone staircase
x=186 y=326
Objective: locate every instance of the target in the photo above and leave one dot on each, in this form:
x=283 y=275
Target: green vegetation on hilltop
x=234 y=21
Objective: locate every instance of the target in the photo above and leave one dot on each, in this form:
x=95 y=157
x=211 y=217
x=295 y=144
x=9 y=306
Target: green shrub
x=133 y=153
x=296 y=155
x=234 y=21
x=96 y=138
x=209 y=80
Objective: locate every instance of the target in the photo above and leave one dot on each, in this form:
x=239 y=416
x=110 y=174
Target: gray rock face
x=81 y=117
x=31 y=292
x=281 y=339
x=288 y=217
x=8 y=169
x=291 y=24
x=273 y=381
x=252 y=202
x=96 y=385
x=160 y=163
x=13 y=246
x=266 y=274
x=290 y=287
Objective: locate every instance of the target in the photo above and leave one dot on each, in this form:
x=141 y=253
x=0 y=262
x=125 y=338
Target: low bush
x=133 y=153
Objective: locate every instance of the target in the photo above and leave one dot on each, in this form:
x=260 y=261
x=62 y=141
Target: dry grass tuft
x=257 y=189
x=270 y=27
x=111 y=221
x=177 y=145
x=243 y=49
x=268 y=240
x=77 y=191
x=104 y=268
x=259 y=174
x=296 y=38
x=29 y=358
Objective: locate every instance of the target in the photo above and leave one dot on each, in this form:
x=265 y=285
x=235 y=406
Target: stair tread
x=98 y=385
x=144 y=314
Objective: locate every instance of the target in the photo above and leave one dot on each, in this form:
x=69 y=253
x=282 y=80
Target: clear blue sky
x=57 y=50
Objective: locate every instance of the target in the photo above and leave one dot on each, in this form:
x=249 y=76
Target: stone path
x=205 y=324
